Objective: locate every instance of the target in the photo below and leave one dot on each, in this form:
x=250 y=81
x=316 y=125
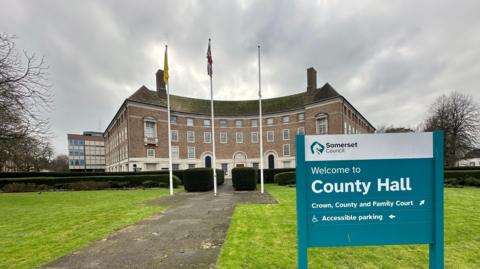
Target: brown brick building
x=137 y=138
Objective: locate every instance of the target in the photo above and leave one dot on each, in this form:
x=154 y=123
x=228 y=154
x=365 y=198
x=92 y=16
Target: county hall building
x=136 y=138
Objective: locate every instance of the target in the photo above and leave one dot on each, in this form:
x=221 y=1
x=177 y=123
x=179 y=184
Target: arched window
x=321 y=123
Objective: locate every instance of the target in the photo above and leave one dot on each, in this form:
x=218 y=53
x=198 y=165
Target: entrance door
x=208 y=162
x=271 y=161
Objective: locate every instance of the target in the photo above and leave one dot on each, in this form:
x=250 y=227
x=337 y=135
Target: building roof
x=235 y=108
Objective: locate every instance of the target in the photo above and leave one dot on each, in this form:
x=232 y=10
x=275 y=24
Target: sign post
x=370 y=189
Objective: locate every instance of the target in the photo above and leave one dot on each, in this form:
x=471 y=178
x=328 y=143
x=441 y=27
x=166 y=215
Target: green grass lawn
x=265 y=236
x=38 y=228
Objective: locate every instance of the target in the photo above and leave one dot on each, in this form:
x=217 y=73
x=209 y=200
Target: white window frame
x=270 y=121
x=146 y=121
x=237 y=136
x=286 y=146
x=286 y=131
x=209 y=135
x=173 y=136
x=301 y=116
x=175 y=149
x=254 y=122
x=190 y=122
x=148 y=153
x=317 y=124
x=191 y=152
x=254 y=135
x=207 y=123
x=226 y=137
x=300 y=128
x=223 y=123
x=239 y=123
x=268 y=136
x=192 y=136
x=173 y=119
x=285 y=119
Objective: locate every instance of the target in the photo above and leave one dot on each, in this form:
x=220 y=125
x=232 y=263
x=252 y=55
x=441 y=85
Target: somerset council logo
x=317 y=148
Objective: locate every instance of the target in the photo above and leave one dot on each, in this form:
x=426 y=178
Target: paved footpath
x=188 y=235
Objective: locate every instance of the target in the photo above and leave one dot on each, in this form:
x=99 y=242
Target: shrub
x=150 y=184
x=198 y=179
x=93 y=182
x=462 y=173
x=244 y=178
x=285 y=178
x=220 y=177
x=23 y=187
x=86 y=185
x=472 y=181
x=269 y=174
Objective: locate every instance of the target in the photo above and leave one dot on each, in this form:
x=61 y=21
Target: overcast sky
x=390 y=59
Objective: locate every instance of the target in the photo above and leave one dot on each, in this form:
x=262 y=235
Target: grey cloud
x=389 y=58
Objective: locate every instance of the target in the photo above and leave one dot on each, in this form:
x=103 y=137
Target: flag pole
x=165 y=78
x=214 y=166
x=260 y=121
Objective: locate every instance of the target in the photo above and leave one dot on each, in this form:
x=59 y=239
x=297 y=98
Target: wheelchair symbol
x=314 y=219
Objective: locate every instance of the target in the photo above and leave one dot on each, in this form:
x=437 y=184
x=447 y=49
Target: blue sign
x=370 y=189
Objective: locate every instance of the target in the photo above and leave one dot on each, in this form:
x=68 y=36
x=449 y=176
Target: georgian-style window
x=270 y=121
x=300 y=130
x=270 y=136
x=150 y=129
x=286 y=149
x=286 y=134
x=206 y=123
x=322 y=123
x=190 y=136
x=301 y=116
x=174 y=135
x=223 y=137
x=191 y=152
x=151 y=153
x=207 y=137
x=173 y=119
x=223 y=123
x=175 y=152
x=238 y=123
x=285 y=119
x=189 y=122
x=239 y=137
x=254 y=123
x=254 y=137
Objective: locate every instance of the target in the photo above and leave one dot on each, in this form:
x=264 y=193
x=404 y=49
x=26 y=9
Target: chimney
x=160 y=83
x=311 y=79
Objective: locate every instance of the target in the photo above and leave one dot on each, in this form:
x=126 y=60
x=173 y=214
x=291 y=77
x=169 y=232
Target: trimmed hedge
x=201 y=179
x=244 y=178
x=92 y=182
x=178 y=173
x=462 y=173
x=269 y=174
x=285 y=178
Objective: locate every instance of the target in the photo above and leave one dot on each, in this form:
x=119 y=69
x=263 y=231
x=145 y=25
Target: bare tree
x=393 y=129
x=24 y=99
x=60 y=163
x=458 y=116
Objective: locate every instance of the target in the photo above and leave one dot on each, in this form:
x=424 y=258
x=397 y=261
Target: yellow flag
x=165 y=66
